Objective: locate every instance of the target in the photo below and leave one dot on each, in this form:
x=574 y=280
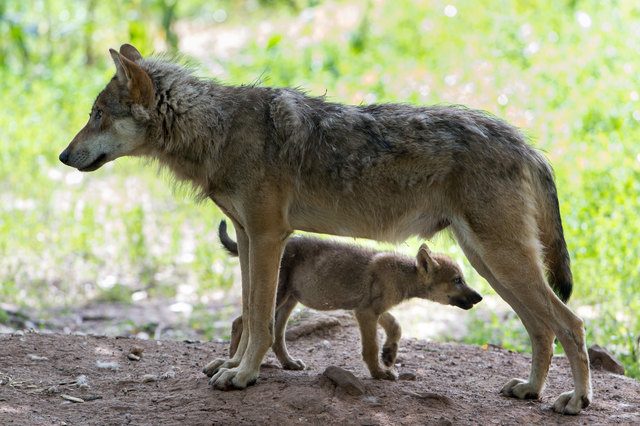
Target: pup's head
x=118 y=119
x=443 y=280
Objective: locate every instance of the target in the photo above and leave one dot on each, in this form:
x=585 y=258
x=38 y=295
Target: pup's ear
x=425 y=260
x=134 y=77
x=130 y=52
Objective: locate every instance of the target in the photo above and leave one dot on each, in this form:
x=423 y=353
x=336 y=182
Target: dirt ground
x=42 y=373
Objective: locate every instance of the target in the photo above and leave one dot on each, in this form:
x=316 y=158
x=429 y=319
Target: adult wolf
x=275 y=160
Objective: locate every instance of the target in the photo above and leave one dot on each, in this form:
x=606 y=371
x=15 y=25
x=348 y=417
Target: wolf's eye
x=457 y=280
x=98 y=114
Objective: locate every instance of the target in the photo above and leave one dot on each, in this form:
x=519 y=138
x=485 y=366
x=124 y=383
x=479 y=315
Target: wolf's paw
x=384 y=375
x=518 y=388
x=389 y=354
x=217 y=364
x=230 y=379
x=293 y=364
x=571 y=403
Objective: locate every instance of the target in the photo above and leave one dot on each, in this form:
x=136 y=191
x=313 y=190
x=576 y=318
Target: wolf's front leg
x=368 y=321
x=243 y=253
x=265 y=251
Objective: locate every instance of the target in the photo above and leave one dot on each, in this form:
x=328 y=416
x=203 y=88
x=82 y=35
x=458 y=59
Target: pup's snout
x=64 y=157
x=475 y=298
x=466 y=302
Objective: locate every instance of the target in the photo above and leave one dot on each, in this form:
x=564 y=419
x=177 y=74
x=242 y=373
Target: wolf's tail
x=225 y=239
x=556 y=255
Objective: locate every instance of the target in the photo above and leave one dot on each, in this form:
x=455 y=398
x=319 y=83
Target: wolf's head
x=119 y=116
x=442 y=280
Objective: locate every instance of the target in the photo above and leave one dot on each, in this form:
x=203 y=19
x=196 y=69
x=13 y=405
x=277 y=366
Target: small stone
x=345 y=380
x=325 y=344
x=149 y=378
x=602 y=358
x=373 y=400
x=92 y=397
x=407 y=375
x=133 y=357
x=72 y=398
x=34 y=357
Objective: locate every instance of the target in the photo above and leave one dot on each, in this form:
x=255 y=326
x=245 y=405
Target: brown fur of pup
x=326 y=275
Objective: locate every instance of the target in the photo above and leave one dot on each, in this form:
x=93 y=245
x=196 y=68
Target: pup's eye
x=98 y=115
x=457 y=280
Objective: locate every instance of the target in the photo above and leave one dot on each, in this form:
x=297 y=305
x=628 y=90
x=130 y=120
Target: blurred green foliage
x=564 y=71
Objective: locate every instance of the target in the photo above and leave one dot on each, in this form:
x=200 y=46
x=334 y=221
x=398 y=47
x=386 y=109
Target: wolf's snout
x=475 y=298
x=466 y=302
x=64 y=157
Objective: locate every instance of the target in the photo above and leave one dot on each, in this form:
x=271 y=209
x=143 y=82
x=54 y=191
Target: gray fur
x=275 y=160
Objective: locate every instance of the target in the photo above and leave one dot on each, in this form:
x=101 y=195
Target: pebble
x=407 y=375
x=373 y=400
x=345 y=380
x=600 y=357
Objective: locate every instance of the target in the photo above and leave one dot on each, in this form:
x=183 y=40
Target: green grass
x=67 y=238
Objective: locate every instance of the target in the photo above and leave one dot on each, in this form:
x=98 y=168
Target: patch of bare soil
x=69 y=379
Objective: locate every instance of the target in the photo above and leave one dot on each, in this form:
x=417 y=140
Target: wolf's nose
x=64 y=156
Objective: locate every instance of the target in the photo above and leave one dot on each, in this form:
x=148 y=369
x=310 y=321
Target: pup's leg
x=513 y=269
x=368 y=323
x=394 y=332
x=243 y=254
x=279 y=346
x=236 y=334
x=265 y=250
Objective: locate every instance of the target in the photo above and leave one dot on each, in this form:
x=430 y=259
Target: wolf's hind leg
x=541 y=345
x=513 y=269
x=393 y=331
x=279 y=346
x=236 y=335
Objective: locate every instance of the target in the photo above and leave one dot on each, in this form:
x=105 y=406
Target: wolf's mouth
x=461 y=303
x=95 y=165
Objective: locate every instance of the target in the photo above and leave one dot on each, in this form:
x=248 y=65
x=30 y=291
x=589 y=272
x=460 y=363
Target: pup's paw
x=384 y=375
x=230 y=379
x=521 y=389
x=293 y=364
x=214 y=366
x=389 y=354
x=571 y=403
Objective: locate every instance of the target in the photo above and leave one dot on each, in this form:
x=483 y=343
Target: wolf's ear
x=425 y=260
x=134 y=77
x=130 y=52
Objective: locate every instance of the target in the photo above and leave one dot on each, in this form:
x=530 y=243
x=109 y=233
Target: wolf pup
x=326 y=275
x=275 y=160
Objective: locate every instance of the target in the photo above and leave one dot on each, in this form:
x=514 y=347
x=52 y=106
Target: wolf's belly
x=392 y=223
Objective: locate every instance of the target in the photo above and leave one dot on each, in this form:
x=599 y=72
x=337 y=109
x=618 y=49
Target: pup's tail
x=556 y=255
x=225 y=239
